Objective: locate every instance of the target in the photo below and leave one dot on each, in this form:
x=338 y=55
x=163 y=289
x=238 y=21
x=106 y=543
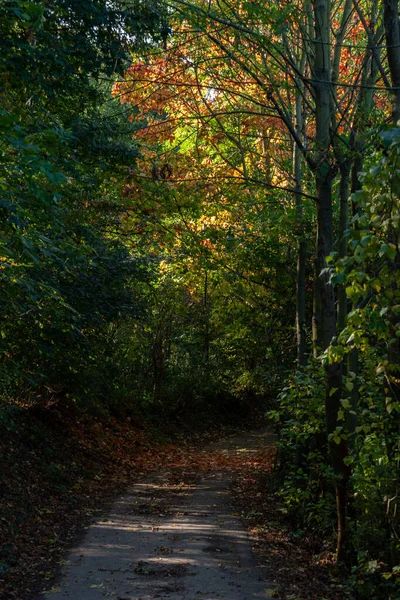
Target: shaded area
x=300 y=564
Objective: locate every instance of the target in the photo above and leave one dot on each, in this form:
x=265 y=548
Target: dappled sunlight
x=159 y=543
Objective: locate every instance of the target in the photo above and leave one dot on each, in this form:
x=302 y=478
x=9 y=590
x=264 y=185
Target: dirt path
x=169 y=539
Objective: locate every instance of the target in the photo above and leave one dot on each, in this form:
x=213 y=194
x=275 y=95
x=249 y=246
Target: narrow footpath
x=169 y=539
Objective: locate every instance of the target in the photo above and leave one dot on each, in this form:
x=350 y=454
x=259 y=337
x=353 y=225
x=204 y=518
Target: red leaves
x=189 y=458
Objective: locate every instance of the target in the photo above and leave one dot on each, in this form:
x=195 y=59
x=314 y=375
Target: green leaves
x=65 y=280
x=388 y=138
x=388 y=250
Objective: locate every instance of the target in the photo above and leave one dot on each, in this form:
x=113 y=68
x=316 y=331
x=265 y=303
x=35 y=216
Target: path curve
x=168 y=542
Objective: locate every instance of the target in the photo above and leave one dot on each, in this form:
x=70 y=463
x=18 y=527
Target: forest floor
x=177 y=503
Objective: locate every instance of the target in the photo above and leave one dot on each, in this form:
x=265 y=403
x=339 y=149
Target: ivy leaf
x=389 y=136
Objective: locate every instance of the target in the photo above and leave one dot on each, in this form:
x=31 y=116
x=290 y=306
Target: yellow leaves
x=221 y=221
x=7 y=261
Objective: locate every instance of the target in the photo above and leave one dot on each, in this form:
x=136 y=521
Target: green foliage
x=368 y=418
x=306 y=478
x=66 y=281
x=305 y=473
x=55 y=47
x=370 y=271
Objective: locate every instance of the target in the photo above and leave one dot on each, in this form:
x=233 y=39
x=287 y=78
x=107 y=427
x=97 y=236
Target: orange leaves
x=207 y=244
x=190 y=458
x=161 y=90
x=186 y=86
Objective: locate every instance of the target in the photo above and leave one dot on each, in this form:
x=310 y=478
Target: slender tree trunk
x=302 y=247
x=301 y=304
x=393 y=355
x=392 y=31
x=158 y=364
x=266 y=152
x=324 y=248
x=352 y=363
x=324 y=288
x=316 y=316
x=343 y=226
x=207 y=324
x=333 y=371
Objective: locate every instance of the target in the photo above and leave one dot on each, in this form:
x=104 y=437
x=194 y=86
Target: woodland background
x=200 y=217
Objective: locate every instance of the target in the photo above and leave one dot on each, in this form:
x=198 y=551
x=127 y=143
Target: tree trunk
x=391 y=21
x=302 y=246
x=207 y=324
x=324 y=288
x=158 y=364
x=301 y=304
x=343 y=226
x=316 y=316
x=333 y=371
